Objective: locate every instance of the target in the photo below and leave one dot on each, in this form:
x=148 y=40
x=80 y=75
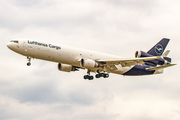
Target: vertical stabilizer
x=159 y=48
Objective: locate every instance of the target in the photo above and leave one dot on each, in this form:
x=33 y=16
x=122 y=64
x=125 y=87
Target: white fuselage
x=61 y=54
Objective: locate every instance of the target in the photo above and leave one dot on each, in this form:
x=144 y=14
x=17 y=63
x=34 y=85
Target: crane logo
x=158 y=49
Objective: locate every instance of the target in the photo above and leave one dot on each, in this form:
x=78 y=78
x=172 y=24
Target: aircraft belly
x=117 y=69
x=139 y=70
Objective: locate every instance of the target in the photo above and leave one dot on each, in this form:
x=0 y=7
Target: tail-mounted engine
x=140 y=54
x=89 y=63
x=66 y=68
x=160 y=61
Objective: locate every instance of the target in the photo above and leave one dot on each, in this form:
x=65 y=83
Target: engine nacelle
x=89 y=63
x=66 y=68
x=159 y=61
x=140 y=54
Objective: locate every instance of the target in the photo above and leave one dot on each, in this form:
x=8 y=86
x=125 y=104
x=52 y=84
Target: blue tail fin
x=159 y=48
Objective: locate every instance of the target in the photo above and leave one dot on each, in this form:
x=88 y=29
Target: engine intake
x=66 y=68
x=89 y=63
x=140 y=54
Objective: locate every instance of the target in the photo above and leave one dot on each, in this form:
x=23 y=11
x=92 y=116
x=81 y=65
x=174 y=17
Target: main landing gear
x=105 y=75
x=99 y=75
x=29 y=63
x=88 y=77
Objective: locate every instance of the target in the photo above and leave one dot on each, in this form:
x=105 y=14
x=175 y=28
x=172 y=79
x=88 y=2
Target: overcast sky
x=119 y=27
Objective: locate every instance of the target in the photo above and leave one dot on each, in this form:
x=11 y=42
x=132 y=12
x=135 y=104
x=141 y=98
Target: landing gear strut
x=89 y=77
x=29 y=59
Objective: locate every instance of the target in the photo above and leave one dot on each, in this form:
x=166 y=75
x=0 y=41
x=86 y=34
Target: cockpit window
x=15 y=41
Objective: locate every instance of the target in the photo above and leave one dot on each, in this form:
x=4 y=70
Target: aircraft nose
x=9 y=45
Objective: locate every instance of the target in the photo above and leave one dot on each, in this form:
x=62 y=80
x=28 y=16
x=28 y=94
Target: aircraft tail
x=158 y=64
x=159 y=48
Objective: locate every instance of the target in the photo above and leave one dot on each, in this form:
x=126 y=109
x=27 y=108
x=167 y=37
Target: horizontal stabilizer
x=160 y=67
x=166 y=53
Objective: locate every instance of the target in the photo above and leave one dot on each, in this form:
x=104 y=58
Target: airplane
x=72 y=59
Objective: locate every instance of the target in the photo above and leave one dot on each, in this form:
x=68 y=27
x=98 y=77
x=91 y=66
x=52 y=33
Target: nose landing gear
x=29 y=63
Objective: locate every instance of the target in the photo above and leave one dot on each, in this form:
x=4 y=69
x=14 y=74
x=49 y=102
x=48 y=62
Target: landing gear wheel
x=91 y=77
x=29 y=61
x=106 y=75
x=28 y=64
x=102 y=75
x=88 y=77
x=97 y=76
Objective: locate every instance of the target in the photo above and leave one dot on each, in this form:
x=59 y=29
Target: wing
x=127 y=62
x=160 y=67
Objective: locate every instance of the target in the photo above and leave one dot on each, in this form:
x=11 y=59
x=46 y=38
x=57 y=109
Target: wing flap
x=127 y=62
x=160 y=67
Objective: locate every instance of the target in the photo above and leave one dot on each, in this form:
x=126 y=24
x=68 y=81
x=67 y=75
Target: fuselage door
x=25 y=48
x=24 y=44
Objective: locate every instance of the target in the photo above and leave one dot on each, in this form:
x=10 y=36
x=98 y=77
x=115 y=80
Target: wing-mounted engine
x=66 y=68
x=89 y=63
x=160 y=61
